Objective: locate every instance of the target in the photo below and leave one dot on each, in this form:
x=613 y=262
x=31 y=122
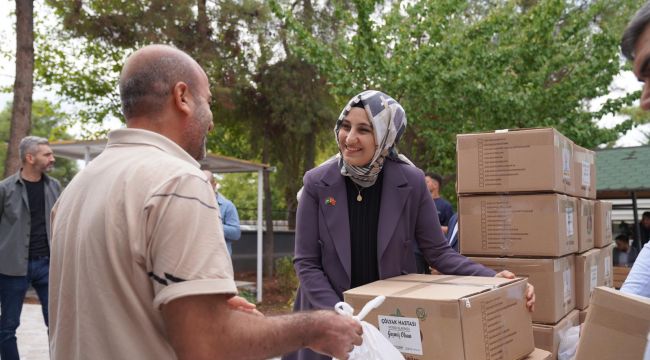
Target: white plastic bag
x=568 y=343
x=375 y=346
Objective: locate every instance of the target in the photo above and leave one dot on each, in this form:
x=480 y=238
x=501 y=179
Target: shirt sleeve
x=638 y=280
x=231 y=228
x=186 y=252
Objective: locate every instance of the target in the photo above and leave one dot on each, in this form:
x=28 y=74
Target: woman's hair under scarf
x=388 y=122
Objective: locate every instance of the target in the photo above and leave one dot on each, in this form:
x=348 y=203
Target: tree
x=459 y=66
x=241 y=46
x=24 y=83
x=47 y=121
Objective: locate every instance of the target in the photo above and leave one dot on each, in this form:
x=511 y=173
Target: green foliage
x=241 y=189
x=248 y=295
x=269 y=106
x=286 y=276
x=459 y=66
x=48 y=121
x=281 y=70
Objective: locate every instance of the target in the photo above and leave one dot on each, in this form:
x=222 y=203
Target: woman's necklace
x=359 y=197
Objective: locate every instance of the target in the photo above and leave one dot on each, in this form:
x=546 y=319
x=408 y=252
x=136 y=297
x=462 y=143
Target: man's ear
x=181 y=96
x=29 y=158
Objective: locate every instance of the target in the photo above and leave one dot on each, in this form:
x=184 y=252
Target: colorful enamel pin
x=330 y=201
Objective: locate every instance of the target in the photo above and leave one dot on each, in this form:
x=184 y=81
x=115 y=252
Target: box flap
x=615 y=301
x=432 y=287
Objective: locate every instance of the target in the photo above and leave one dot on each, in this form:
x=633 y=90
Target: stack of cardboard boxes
x=526 y=204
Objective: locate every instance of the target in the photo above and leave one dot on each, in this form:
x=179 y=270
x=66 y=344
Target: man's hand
x=241 y=304
x=530 y=289
x=336 y=334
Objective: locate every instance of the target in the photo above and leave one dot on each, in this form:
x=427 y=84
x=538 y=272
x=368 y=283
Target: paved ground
x=32 y=334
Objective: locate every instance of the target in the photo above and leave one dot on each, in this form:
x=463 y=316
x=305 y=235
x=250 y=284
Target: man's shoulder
x=443 y=201
x=52 y=180
x=223 y=199
x=9 y=181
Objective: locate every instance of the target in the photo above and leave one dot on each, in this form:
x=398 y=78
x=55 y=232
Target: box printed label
x=568 y=286
x=586 y=173
x=566 y=162
x=402 y=332
x=594 y=278
x=608 y=272
x=569 y=221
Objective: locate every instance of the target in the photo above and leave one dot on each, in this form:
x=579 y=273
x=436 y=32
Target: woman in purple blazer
x=360 y=211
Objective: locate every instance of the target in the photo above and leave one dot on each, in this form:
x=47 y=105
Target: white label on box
x=586 y=173
x=608 y=271
x=566 y=162
x=568 y=287
x=402 y=332
x=594 y=278
x=569 y=221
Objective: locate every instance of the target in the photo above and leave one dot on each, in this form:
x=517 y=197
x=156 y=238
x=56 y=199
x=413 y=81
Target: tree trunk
x=268 y=215
x=21 y=113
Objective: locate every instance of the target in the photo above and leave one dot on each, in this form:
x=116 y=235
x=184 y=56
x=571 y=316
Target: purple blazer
x=322 y=251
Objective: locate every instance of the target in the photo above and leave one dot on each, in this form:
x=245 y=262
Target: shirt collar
x=145 y=137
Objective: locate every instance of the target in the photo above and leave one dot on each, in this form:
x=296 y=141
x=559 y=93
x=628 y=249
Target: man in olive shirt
x=26 y=199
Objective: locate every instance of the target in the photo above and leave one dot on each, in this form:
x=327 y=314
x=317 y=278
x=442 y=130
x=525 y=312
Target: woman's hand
x=530 y=289
x=241 y=304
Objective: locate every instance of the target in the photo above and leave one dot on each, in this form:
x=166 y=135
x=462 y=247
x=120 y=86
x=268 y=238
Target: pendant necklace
x=359 y=197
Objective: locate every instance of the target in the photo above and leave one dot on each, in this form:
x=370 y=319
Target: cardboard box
x=539 y=354
x=586 y=277
x=583 y=315
x=548 y=337
x=554 y=278
x=518 y=225
x=528 y=160
x=585 y=224
x=584 y=172
x=620 y=274
x=605 y=266
x=602 y=223
x=617 y=326
x=450 y=317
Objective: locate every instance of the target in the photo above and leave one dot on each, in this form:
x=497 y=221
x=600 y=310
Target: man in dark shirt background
x=445 y=210
x=644 y=226
x=26 y=199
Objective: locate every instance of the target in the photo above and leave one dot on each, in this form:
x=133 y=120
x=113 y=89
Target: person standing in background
x=635 y=46
x=445 y=210
x=229 y=215
x=26 y=199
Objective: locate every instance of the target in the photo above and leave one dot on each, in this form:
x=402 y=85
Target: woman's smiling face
x=357 y=138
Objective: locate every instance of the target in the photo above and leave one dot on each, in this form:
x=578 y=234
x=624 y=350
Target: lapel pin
x=330 y=201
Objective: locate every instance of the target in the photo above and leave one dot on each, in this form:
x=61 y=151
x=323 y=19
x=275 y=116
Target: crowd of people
x=130 y=261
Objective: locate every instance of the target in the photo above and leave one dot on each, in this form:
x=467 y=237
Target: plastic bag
x=568 y=343
x=375 y=346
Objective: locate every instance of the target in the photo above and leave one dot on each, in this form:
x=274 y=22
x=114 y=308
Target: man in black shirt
x=26 y=199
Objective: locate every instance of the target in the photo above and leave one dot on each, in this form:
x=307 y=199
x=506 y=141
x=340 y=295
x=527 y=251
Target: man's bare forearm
x=209 y=329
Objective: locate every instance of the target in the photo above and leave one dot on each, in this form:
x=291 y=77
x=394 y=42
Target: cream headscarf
x=388 y=121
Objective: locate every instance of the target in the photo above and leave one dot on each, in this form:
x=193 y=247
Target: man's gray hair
x=29 y=145
x=633 y=31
